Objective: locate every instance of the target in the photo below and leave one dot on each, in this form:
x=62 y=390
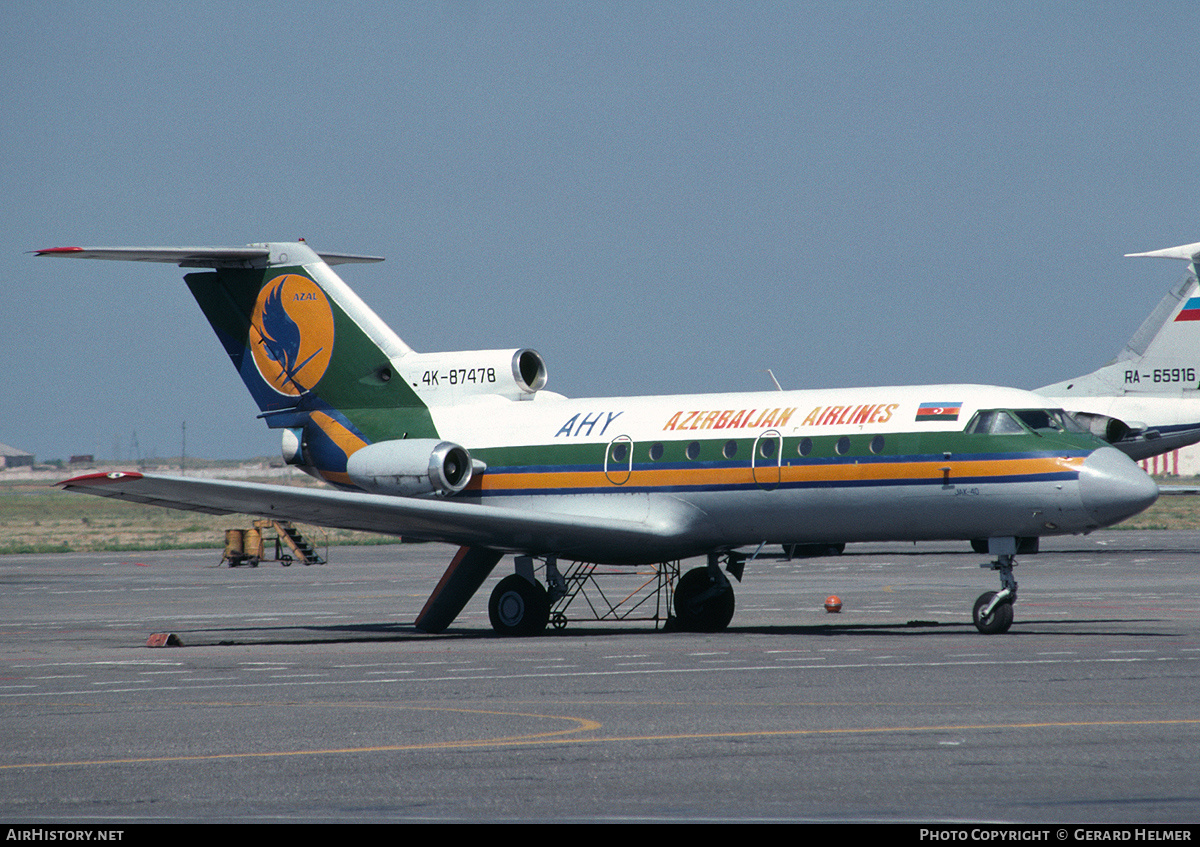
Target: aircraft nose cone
x=1113 y=487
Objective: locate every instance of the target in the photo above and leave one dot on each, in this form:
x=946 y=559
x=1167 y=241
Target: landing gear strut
x=993 y=612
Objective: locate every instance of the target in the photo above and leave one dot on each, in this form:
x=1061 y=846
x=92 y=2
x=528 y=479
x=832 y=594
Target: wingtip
x=100 y=478
x=57 y=251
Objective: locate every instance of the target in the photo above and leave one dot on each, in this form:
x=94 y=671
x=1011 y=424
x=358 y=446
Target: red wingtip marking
x=58 y=250
x=100 y=478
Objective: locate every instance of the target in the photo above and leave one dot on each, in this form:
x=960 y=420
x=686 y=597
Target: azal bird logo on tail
x=292 y=335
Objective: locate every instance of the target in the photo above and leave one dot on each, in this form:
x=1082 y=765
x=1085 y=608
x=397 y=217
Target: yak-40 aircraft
x=468 y=448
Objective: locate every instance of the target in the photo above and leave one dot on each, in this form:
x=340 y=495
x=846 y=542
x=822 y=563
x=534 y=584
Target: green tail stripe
x=295 y=347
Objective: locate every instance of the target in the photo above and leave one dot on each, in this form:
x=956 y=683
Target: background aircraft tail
x=1144 y=401
x=1163 y=356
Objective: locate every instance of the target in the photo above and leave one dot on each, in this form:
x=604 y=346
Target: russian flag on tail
x=1190 y=310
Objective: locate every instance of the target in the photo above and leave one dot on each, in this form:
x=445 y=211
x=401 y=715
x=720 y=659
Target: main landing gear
x=519 y=606
x=993 y=612
x=704 y=597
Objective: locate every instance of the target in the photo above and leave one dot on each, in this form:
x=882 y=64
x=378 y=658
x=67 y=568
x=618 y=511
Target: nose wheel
x=992 y=617
x=993 y=612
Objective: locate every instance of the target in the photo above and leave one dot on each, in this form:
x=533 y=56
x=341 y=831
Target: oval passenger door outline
x=767 y=469
x=618 y=460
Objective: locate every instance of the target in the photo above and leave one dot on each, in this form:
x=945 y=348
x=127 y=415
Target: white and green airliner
x=469 y=448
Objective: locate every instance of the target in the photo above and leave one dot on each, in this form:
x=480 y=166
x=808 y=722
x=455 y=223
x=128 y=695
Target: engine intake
x=411 y=468
x=446 y=377
x=1102 y=426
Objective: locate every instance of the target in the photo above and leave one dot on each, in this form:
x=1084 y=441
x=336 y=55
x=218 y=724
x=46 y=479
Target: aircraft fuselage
x=722 y=471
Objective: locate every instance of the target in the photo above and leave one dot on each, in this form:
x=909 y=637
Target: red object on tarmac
x=833 y=604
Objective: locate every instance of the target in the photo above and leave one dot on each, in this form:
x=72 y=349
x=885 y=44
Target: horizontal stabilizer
x=1186 y=252
x=250 y=256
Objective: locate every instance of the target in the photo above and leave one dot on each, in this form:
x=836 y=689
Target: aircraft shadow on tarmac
x=403 y=632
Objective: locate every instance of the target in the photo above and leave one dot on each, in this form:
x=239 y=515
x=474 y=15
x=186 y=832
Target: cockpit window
x=1008 y=421
x=1039 y=419
x=1049 y=420
x=995 y=422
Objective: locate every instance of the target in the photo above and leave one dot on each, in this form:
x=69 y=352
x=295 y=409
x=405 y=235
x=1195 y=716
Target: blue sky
x=660 y=198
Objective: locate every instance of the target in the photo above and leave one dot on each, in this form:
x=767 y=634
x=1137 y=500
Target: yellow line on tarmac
x=584 y=724
x=581 y=725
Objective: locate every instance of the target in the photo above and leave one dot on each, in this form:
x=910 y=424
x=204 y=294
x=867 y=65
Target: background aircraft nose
x=1113 y=487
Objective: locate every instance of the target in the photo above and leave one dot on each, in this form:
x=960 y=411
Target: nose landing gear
x=993 y=612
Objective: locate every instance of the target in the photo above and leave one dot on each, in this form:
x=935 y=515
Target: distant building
x=82 y=459
x=11 y=457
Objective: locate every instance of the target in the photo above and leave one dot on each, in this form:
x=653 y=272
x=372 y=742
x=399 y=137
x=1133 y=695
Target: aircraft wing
x=1143 y=445
x=466 y=524
x=1179 y=489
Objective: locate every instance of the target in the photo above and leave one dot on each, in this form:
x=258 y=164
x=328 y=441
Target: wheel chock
x=164 y=639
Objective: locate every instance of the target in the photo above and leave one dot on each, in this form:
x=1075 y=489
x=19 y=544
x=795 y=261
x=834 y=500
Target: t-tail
x=1147 y=401
x=325 y=369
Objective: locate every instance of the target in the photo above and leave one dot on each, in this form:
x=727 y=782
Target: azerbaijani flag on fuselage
x=938 y=411
x=1190 y=310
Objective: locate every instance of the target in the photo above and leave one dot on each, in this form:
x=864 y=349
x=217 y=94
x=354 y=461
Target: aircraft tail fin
x=1163 y=356
x=314 y=356
x=1154 y=333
